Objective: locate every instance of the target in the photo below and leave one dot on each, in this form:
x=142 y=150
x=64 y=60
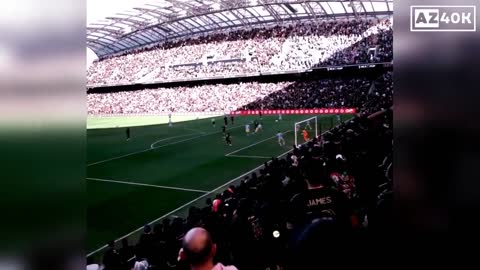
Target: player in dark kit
x=228 y=139
x=255 y=124
x=224 y=129
x=231 y=119
x=128 y=133
x=225 y=119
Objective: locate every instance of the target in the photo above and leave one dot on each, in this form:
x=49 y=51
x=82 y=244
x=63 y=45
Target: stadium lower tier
x=361 y=93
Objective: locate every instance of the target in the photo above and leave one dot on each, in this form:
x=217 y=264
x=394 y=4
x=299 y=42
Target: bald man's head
x=198 y=246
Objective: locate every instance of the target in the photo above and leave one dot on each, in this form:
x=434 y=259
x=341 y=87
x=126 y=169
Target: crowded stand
x=299 y=211
x=204 y=98
x=360 y=93
x=294 y=47
x=323 y=93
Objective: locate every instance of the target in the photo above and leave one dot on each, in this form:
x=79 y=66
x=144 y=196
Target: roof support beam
x=270 y=10
x=104 y=46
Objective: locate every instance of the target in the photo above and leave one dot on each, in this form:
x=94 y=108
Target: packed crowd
x=204 y=98
x=298 y=212
x=359 y=93
x=325 y=93
x=294 y=48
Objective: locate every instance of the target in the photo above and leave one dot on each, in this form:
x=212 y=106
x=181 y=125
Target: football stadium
x=237 y=134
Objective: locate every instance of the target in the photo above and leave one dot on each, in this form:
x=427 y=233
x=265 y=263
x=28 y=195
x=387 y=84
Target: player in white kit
x=308 y=125
x=247 y=129
x=281 y=140
x=259 y=128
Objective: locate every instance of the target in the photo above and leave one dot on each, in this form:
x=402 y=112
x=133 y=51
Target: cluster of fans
x=324 y=93
x=359 y=93
x=204 y=98
x=294 y=47
x=296 y=212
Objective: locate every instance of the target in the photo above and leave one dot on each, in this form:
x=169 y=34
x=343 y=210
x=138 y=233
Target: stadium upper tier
x=158 y=21
x=290 y=47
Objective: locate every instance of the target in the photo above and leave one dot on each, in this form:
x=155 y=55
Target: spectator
x=91 y=265
x=198 y=250
x=144 y=248
x=111 y=258
x=320 y=200
x=126 y=252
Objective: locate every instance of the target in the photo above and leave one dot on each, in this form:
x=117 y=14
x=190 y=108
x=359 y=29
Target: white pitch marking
x=149 y=149
x=145 y=185
x=169 y=138
x=248 y=146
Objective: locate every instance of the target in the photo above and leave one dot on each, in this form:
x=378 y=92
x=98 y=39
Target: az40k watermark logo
x=443 y=18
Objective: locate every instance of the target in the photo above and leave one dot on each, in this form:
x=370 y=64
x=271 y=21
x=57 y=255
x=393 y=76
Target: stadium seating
x=326 y=93
x=295 y=47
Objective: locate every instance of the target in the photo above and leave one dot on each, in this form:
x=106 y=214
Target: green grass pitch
x=131 y=183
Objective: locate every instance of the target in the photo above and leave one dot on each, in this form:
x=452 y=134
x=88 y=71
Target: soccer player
x=258 y=128
x=128 y=133
x=338 y=118
x=281 y=141
x=225 y=119
x=213 y=122
x=279 y=117
x=305 y=135
x=224 y=129
x=255 y=124
x=260 y=115
x=169 y=119
x=228 y=139
x=231 y=119
x=247 y=129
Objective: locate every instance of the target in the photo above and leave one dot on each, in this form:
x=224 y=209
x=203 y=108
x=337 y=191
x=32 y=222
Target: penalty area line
x=259 y=142
x=156 y=147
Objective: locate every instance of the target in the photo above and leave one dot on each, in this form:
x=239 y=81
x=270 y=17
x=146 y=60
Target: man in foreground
x=198 y=250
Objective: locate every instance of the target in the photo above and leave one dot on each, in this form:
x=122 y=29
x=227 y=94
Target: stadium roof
x=163 y=20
